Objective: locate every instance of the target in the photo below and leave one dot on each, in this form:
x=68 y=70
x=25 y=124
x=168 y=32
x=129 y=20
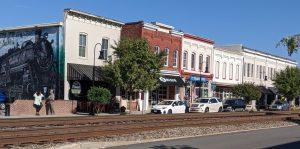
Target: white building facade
x=197 y=66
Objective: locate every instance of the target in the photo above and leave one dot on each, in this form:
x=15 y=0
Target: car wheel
x=233 y=110
x=169 y=111
x=220 y=109
x=206 y=110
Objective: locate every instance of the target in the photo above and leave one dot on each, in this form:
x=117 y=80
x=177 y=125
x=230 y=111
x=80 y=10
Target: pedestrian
x=49 y=103
x=187 y=105
x=38 y=96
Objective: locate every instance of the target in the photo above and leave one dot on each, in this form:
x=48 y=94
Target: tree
x=98 y=95
x=136 y=68
x=292 y=43
x=288 y=83
x=248 y=91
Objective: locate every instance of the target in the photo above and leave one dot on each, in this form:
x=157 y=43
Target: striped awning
x=82 y=72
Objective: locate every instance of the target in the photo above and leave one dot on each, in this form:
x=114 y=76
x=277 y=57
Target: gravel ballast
x=159 y=135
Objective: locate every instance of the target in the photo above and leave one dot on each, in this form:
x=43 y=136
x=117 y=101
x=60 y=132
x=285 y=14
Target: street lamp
x=94 y=61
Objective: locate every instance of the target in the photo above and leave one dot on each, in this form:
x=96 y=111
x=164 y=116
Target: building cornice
x=31 y=26
x=194 y=37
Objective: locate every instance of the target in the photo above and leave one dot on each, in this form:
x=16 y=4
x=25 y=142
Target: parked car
x=206 y=105
x=280 y=106
x=169 y=107
x=234 y=104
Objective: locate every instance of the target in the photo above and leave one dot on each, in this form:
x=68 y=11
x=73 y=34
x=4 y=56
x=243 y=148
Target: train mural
x=30 y=61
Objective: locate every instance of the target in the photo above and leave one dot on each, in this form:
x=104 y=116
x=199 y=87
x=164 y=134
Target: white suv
x=206 y=105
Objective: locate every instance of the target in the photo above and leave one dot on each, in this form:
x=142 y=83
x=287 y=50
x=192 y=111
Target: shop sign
x=197 y=79
x=162 y=79
x=76 y=88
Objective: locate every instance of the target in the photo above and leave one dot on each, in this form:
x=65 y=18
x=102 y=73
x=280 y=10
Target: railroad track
x=90 y=120
x=139 y=124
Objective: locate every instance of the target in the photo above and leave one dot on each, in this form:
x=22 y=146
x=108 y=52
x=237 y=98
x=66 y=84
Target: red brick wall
x=156 y=38
x=25 y=107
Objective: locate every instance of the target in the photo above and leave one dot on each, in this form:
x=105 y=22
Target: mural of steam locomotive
x=28 y=67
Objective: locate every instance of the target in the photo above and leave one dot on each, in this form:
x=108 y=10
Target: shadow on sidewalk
x=173 y=147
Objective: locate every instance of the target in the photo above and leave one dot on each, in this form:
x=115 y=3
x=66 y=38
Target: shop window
x=82 y=44
x=162 y=92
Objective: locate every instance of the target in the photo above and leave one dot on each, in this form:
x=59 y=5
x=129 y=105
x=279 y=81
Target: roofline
x=198 y=38
x=95 y=16
x=31 y=26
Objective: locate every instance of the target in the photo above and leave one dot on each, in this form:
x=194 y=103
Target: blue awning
x=197 y=79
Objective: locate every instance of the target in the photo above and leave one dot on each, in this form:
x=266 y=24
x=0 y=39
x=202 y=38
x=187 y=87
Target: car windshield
x=165 y=103
x=202 y=100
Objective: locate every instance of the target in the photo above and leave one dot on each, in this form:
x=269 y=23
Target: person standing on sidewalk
x=38 y=96
x=49 y=103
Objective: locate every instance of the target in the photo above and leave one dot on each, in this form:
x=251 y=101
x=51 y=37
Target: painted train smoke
x=27 y=68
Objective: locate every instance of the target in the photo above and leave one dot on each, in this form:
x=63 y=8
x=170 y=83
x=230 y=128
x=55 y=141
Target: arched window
x=207 y=68
x=175 y=53
x=230 y=71
x=185 y=54
x=167 y=57
x=217 y=69
x=224 y=70
x=193 y=61
x=201 y=62
x=156 y=49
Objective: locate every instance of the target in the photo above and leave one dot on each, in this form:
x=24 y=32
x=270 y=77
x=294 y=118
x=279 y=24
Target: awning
x=264 y=90
x=171 y=80
x=197 y=79
x=274 y=90
x=82 y=72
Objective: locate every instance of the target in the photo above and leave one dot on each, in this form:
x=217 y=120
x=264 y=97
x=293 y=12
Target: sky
x=257 y=24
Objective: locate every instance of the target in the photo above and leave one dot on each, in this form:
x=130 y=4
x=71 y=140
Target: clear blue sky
x=257 y=24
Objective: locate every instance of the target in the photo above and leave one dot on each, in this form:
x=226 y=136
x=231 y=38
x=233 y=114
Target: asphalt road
x=285 y=138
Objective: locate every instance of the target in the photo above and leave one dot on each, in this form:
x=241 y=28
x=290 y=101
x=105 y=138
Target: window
x=217 y=69
x=264 y=72
x=104 y=48
x=237 y=75
x=201 y=62
x=224 y=71
x=260 y=72
x=213 y=100
x=185 y=59
x=244 y=69
x=230 y=71
x=167 y=57
x=257 y=71
x=175 y=58
x=248 y=69
x=193 y=61
x=207 y=64
x=271 y=73
x=156 y=49
x=82 y=45
x=252 y=70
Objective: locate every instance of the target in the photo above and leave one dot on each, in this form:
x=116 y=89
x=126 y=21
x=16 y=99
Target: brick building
x=161 y=37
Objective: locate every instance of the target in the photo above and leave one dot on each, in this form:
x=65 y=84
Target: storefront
x=197 y=87
x=171 y=87
x=222 y=91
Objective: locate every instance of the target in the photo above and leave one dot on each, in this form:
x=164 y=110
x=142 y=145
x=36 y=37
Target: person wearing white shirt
x=38 y=96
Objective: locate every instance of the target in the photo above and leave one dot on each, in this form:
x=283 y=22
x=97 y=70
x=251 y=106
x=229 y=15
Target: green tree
x=98 y=95
x=136 y=68
x=248 y=91
x=288 y=83
x=292 y=43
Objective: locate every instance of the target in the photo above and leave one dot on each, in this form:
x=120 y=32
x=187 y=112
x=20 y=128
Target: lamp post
x=94 y=62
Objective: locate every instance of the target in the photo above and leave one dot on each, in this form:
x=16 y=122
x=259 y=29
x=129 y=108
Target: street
x=271 y=138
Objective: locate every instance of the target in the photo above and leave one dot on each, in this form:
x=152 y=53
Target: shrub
x=99 y=95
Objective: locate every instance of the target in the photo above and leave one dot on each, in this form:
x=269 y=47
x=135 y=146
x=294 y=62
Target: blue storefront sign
x=197 y=79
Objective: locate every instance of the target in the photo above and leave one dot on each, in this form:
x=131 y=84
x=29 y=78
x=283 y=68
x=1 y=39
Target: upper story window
x=224 y=70
x=248 y=69
x=193 y=61
x=230 y=71
x=264 y=72
x=104 y=48
x=217 y=69
x=185 y=54
x=201 y=62
x=237 y=71
x=82 y=44
x=156 y=49
x=260 y=72
x=207 y=68
x=257 y=71
x=167 y=57
x=244 y=69
x=175 y=58
x=252 y=70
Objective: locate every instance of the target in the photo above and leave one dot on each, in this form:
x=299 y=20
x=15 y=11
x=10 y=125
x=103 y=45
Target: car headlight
x=201 y=105
x=164 y=107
